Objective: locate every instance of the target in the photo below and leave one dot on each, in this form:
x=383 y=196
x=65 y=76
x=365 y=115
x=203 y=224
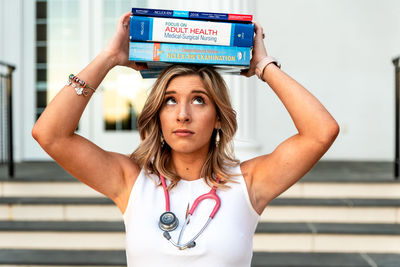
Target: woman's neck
x=188 y=166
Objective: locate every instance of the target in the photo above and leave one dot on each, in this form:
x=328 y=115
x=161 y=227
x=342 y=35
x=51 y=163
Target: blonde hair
x=155 y=158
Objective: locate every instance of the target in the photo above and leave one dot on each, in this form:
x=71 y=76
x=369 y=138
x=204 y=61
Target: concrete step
x=327 y=237
x=344 y=210
x=280 y=209
x=279 y=259
x=299 y=190
x=33 y=257
x=344 y=190
x=338 y=208
x=269 y=237
x=46 y=189
x=14 y=258
x=58 y=209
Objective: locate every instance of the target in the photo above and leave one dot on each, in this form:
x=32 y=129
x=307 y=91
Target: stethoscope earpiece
x=167 y=235
x=192 y=245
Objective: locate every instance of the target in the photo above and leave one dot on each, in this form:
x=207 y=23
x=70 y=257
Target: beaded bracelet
x=79 y=85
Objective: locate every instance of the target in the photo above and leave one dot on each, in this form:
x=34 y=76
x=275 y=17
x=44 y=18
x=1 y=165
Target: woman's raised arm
x=107 y=172
x=270 y=175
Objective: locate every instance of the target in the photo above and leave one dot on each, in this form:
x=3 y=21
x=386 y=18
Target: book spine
x=188 y=53
x=172 y=30
x=156 y=67
x=155 y=72
x=245 y=18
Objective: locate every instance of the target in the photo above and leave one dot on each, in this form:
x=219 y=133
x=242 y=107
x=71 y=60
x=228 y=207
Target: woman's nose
x=183 y=114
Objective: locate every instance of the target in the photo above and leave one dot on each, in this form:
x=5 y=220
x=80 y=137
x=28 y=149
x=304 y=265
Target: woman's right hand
x=118 y=46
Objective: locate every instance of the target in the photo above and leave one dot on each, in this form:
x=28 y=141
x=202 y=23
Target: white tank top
x=227 y=241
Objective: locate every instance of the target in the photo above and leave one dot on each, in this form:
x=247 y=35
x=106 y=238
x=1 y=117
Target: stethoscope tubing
x=166 y=194
x=198 y=234
x=212 y=194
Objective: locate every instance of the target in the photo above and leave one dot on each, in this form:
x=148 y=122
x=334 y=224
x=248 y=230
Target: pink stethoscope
x=169 y=222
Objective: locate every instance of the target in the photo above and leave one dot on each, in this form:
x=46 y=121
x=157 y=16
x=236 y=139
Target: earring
x=162 y=141
x=217 y=138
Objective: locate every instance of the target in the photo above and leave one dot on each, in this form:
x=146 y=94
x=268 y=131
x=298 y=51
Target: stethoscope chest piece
x=168 y=221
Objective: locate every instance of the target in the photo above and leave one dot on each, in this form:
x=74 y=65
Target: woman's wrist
x=269 y=71
x=110 y=59
x=97 y=69
x=263 y=64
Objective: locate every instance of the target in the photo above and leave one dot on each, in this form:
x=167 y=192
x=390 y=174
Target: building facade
x=340 y=51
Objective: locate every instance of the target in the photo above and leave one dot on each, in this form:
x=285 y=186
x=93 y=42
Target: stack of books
x=164 y=37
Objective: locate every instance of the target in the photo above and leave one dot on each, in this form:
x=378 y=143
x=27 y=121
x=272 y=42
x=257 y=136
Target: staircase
x=339 y=215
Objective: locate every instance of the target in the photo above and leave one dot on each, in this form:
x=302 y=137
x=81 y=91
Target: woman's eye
x=198 y=100
x=170 y=101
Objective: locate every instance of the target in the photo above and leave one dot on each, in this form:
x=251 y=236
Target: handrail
x=397 y=119
x=10 y=162
x=7 y=65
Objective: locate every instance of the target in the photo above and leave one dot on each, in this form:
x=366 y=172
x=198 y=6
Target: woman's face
x=188 y=115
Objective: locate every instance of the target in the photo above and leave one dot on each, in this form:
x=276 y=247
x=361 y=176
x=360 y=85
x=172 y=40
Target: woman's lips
x=183 y=133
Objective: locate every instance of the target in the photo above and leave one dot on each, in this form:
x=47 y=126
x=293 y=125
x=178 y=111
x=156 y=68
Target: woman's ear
x=217 y=124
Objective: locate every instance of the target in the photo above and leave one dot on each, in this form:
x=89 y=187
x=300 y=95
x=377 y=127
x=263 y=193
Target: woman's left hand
x=259 y=51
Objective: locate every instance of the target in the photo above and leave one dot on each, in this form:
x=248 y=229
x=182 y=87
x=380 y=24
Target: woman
x=186 y=127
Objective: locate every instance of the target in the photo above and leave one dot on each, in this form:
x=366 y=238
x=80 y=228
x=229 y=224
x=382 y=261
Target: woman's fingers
x=137 y=65
x=123 y=22
x=258 y=28
x=141 y=66
x=258 y=52
x=258 y=39
x=125 y=18
x=251 y=70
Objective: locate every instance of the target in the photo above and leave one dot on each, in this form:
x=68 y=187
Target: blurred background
x=345 y=212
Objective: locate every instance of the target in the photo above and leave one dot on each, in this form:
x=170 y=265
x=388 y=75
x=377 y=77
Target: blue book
x=189 y=54
x=172 y=30
x=244 y=18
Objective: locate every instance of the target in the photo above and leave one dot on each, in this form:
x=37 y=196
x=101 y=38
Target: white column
x=31 y=149
x=12 y=52
x=242 y=89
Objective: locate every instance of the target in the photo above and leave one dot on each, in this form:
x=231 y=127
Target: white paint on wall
x=342 y=52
